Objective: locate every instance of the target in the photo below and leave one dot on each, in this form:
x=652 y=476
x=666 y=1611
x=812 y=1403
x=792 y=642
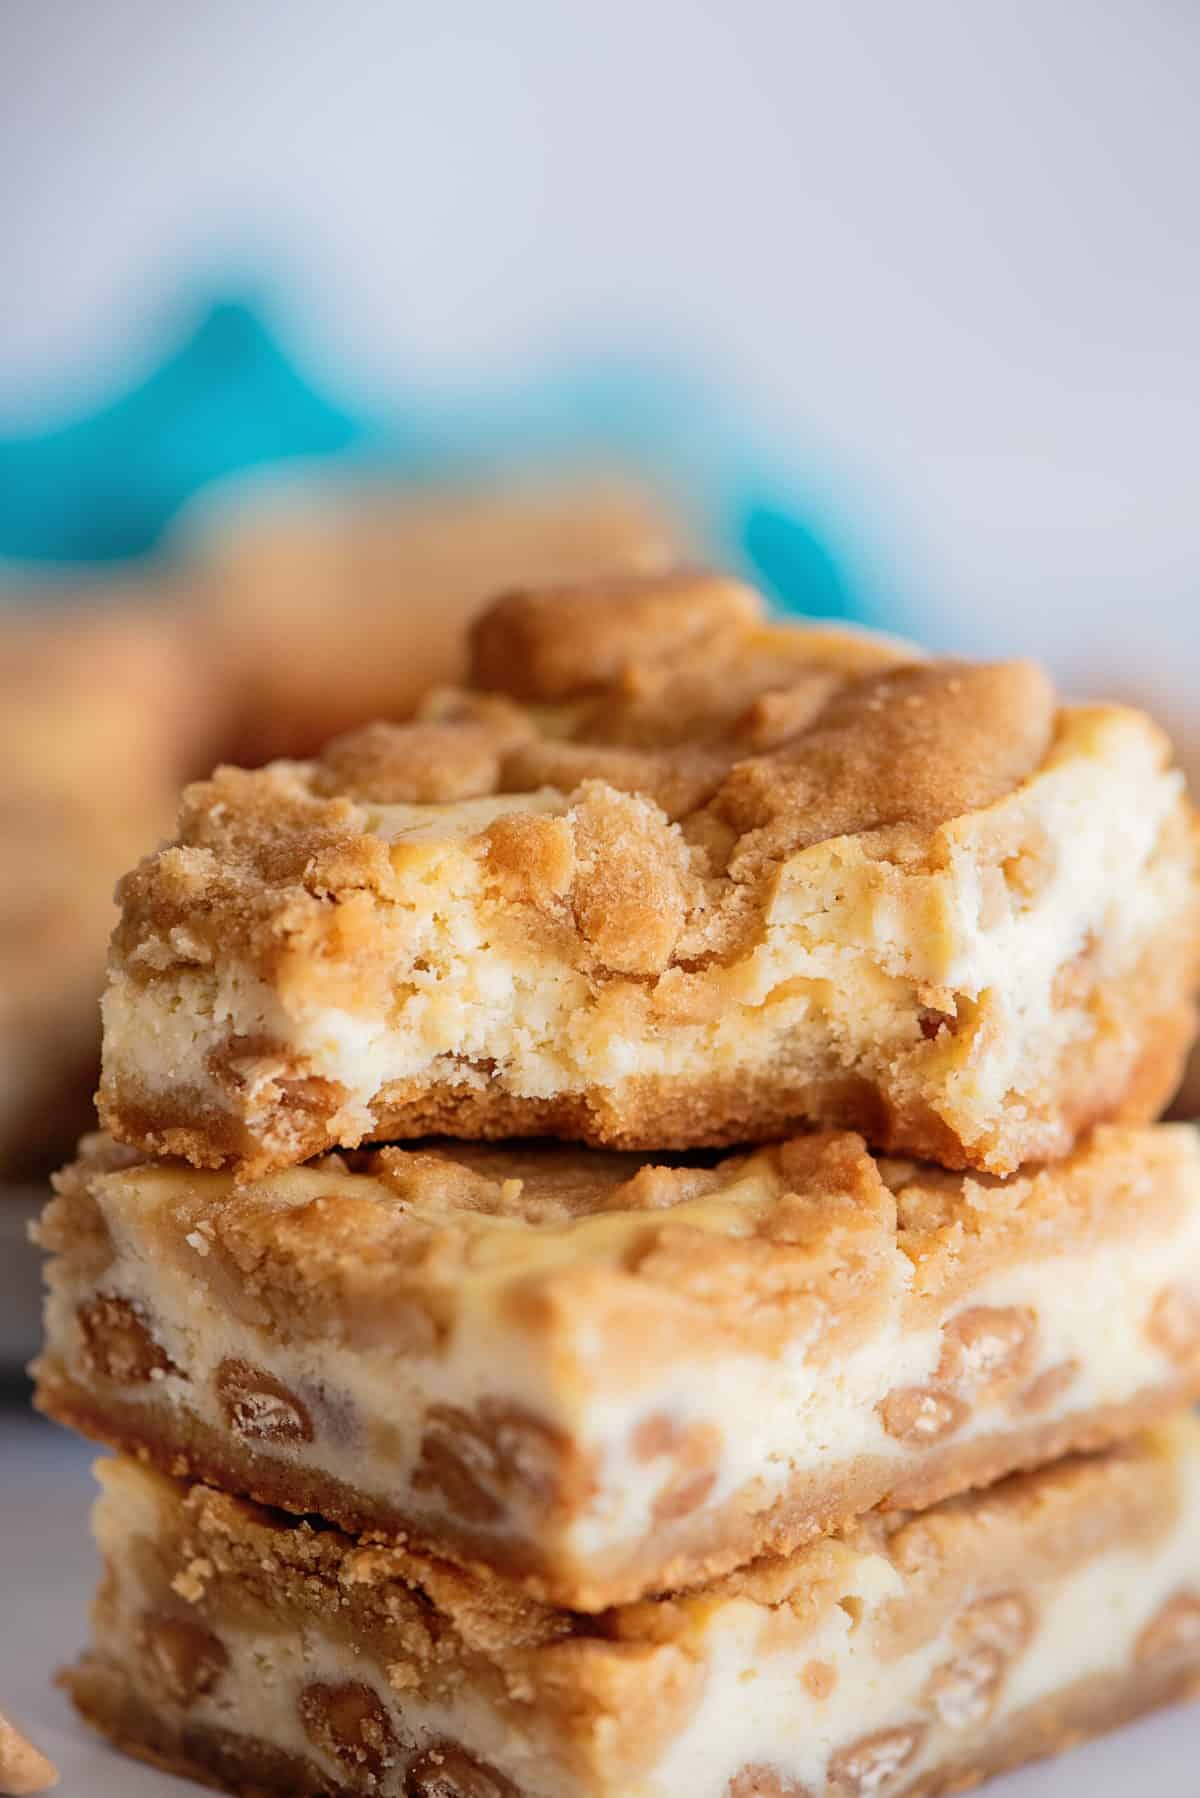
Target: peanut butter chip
x=988 y=1349
x=871 y=1768
x=260 y=1408
x=694 y=1451
x=684 y=1494
x=820 y=1679
x=1005 y=1621
x=349 y=1723
x=922 y=1414
x=1174 y=1324
x=447 y=1771
x=24 y=1769
x=963 y=1693
x=183 y=1660
x=117 y=1343
x=485 y=1461
x=988 y=1637
x=1048 y=1387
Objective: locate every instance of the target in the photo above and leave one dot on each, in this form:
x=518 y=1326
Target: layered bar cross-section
x=910 y=1655
x=671 y=876
x=603 y=1376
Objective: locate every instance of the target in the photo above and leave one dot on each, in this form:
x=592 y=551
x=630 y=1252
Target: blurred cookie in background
x=103 y=713
x=280 y=625
x=326 y=609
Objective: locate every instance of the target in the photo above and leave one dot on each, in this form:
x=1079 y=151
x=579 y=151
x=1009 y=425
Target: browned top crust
x=874 y=822
x=756 y=739
x=801 y=734
x=699 y=1251
x=561 y=642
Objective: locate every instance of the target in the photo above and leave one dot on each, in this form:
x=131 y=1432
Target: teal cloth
x=107 y=486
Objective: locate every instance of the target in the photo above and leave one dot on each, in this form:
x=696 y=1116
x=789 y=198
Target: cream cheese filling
x=756 y=1708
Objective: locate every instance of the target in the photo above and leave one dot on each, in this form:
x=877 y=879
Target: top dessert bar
x=670 y=875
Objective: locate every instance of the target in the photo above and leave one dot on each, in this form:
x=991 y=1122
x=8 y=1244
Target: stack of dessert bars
x=457 y=1461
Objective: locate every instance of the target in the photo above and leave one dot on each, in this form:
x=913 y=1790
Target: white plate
x=47 y=1573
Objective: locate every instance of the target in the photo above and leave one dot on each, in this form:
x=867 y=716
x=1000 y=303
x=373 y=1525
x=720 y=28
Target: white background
x=946 y=251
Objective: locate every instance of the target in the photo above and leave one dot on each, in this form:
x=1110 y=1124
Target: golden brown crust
x=911 y=747
x=875 y=744
x=561 y=643
x=693 y=1553
x=347 y=1241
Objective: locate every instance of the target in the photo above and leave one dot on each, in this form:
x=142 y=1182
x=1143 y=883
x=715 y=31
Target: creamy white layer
x=757 y=1709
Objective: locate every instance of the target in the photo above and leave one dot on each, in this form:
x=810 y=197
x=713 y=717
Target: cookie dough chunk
x=603 y=1376
x=911 y=1654
x=670 y=876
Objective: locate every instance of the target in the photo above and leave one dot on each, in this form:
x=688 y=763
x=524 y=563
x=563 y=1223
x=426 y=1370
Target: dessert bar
x=671 y=876
x=604 y=1376
x=908 y=1655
